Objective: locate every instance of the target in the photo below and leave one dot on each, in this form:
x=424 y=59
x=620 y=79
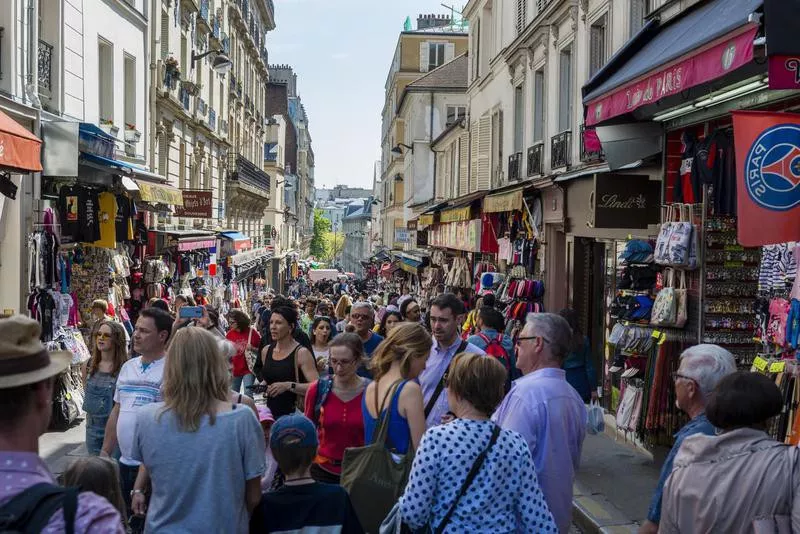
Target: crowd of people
x=271 y=419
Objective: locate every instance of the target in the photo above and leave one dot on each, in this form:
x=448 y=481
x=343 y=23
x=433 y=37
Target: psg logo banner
x=768 y=177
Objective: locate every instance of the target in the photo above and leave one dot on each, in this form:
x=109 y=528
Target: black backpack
x=29 y=511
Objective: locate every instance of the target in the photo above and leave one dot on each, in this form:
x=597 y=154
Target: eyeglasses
x=103 y=335
x=359 y=316
x=340 y=363
x=523 y=338
x=676 y=375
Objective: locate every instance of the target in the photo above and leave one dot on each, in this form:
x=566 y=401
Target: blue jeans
x=97 y=403
x=248 y=380
x=127 y=475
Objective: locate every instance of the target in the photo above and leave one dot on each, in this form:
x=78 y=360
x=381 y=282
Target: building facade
x=357 y=228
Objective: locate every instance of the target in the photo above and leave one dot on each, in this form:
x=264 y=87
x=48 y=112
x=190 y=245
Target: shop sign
x=784 y=72
x=456 y=214
x=250 y=255
x=626 y=201
x=195 y=204
x=511 y=201
x=187 y=244
x=426 y=220
x=768 y=177
x=412 y=225
x=402 y=235
x=462 y=235
x=782 y=26
x=701 y=67
x=159 y=194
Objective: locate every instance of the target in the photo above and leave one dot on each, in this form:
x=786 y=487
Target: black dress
x=272 y=371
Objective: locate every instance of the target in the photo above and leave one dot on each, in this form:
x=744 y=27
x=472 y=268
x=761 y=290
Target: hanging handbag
x=661 y=252
x=665 y=310
x=251 y=353
x=681 y=303
x=370 y=474
x=691 y=262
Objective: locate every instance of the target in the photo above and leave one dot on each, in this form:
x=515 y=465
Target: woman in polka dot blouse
x=505 y=495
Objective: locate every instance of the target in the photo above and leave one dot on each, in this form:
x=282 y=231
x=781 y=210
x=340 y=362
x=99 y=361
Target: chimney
x=432 y=21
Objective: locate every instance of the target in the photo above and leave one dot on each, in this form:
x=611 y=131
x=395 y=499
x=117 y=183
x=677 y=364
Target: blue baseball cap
x=293 y=431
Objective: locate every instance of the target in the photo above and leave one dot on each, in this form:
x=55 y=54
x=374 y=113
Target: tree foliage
x=322 y=226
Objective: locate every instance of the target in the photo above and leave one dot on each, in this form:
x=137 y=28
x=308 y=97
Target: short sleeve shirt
x=137 y=386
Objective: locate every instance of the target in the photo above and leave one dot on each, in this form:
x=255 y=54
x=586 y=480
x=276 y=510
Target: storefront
x=699 y=275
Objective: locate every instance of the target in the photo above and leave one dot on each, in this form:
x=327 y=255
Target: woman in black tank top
x=285 y=365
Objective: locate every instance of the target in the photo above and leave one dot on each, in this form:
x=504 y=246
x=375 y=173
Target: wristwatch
x=294 y=385
x=135 y=491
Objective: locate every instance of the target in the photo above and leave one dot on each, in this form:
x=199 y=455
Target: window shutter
x=444 y=161
x=484 y=153
x=463 y=164
x=164 y=35
x=565 y=90
x=423 y=57
x=538 y=105
x=474 y=134
x=521 y=15
x=449 y=52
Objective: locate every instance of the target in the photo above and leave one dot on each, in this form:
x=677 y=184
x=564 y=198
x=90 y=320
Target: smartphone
x=191 y=312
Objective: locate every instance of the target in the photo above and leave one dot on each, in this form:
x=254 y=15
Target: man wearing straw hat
x=27 y=375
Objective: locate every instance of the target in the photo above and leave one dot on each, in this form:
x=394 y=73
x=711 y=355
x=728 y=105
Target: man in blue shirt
x=362 y=317
x=490 y=331
x=701 y=369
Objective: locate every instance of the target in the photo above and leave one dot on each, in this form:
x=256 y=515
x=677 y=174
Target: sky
x=341 y=51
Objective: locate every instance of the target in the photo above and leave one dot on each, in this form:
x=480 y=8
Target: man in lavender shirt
x=547 y=411
x=447 y=314
x=27 y=374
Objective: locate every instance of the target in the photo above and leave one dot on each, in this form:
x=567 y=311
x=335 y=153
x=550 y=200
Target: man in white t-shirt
x=138 y=384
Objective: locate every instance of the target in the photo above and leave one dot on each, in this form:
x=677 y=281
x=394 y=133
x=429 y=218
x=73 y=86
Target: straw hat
x=23 y=358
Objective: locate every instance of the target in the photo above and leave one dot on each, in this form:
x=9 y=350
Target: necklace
x=288 y=480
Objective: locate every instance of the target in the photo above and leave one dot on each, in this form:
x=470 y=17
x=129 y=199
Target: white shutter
x=463 y=163
x=423 y=57
x=164 y=35
x=445 y=162
x=449 y=52
x=521 y=15
x=474 y=134
x=484 y=178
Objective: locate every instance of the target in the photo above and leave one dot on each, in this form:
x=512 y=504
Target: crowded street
x=359 y=267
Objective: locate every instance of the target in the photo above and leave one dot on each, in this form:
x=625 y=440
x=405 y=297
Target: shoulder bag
x=442 y=381
x=250 y=352
x=370 y=474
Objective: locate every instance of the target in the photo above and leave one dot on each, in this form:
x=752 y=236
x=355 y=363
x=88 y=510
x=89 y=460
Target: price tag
x=662 y=339
x=656 y=334
x=760 y=363
x=777 y=367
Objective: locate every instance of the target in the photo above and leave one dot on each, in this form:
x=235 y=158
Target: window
x=105 y=58
x=455 y=114
x=638 y=12
x=130 y=90
x=436 y=53
x=184 y=69
x=164 y=35
x=519 y=119
x=476 y=50
x=565 y=89
x=597 y=45
x=522 y=15
x=538 y=105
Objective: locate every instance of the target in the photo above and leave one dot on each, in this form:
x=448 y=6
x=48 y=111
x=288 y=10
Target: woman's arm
x=252 y=494
x=416 y=504
x=410 y=405
x=308 y=366
x=138 y=501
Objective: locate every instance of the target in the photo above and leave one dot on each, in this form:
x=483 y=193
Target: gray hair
x=555 y=329
x=364 y=305
x=707 y=364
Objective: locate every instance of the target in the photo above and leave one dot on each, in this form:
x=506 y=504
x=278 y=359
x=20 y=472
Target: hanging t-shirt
x=90 y=219
x=69 y=202
x=123 y=222
x=106 y=216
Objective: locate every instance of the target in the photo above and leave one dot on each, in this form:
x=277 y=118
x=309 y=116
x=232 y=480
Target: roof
x=451 y=75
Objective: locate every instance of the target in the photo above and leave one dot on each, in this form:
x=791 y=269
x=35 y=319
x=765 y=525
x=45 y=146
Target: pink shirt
x=20 y=470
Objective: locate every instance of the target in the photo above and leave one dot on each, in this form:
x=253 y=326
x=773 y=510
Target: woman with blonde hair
x=109 y=353
x=397 y=361
x=470 y=475
x=218 y=489
x=342 y=304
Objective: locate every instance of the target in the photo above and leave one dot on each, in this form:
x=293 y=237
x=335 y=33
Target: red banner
x=708 y=64
x=768 y=177
x=784 y=72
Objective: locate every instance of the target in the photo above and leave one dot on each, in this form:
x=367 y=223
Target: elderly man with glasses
x=362 y=317
x=701 y=369
x=547 y=411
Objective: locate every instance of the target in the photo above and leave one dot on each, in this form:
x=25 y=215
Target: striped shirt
x=138 y=385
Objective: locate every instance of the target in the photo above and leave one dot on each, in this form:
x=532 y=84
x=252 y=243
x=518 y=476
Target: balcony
x=244 y=173
x=596 y=152
x=561 y=149
x=45 y=67
x=535 y=159
x=202 y=107
x=223 y=128
x=183 y=97
x=212 y=119
x=204 y=16
x=515 y=166
x=226 y=43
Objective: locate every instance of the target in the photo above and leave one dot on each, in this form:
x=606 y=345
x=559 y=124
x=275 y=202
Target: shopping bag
x=596 y=422
x=371 y=475
x=665 y=311
x=681 y=303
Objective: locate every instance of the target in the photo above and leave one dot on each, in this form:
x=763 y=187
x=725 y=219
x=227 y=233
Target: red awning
x=700 y=66
x=20 y=150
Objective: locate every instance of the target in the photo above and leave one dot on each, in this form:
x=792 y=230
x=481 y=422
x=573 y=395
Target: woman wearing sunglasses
x=109 y=353
x=334 y=404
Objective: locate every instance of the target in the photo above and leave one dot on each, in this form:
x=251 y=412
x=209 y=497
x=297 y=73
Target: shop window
x=105 y=57
x=597 y=45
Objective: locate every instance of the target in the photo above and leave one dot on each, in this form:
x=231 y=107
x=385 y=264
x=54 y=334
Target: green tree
x=322 y=226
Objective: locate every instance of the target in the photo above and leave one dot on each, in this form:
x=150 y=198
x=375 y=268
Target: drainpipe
x=28 y=82
x=430 y=141
x=153 y=81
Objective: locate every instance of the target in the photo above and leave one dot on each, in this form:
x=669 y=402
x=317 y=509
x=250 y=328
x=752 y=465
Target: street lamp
x=398 y=150
x=221 y=62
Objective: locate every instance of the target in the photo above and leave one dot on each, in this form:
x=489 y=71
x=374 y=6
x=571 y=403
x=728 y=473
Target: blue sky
x=341 y=51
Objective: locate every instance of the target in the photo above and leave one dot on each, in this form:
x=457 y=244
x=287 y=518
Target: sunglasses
x=340 y=363
x=103 y=335
x=358 y=316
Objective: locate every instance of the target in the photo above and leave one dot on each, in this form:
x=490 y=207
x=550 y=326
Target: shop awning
x=240 y=241
x=460 y=209
x=21 y=149
x=508 y=201
x=707 y=43
x=159 y=193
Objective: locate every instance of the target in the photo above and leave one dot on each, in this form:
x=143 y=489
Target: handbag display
x=665 y=307
x=676 y=244
x=371 y=475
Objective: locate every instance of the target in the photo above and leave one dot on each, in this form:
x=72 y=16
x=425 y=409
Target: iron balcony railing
x=45 y=65
x=212 y=118
x=245 y=172
x=204 y=11
x=183 y=96
x=514 y=166
x=561 y=149
x=226 y=43
x=202 y=108
x=589 y=155
x=535 y=159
